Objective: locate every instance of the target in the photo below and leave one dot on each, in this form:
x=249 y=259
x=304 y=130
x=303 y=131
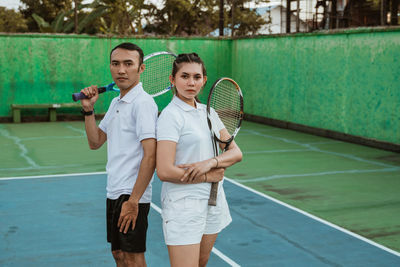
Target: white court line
x=154 y=206
x=41 y=167
x=348 y=156
x=52 y=176
x=325 y=143
x=83 y=132
x=214 y=250
x=24 y=150
x=52 y=137
x=316 y=218
x=224 y=257
x=244 y=187
x=279 y=176
x=275 y=151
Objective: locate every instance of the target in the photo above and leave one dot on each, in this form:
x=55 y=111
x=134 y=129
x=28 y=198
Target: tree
x=185 y=17
x=46 y=9
x=11 y=21
x=72 y=20
x=244 y=20
x=130 y=17
x=201 y=17
x=125 y=17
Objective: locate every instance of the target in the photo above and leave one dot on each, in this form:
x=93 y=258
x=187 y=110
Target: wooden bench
x=16 y=109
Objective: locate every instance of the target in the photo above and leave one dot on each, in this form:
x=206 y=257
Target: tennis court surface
x=295 y=199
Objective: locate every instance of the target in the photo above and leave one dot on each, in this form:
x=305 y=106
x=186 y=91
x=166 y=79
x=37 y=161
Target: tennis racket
x=226 y=100
x=155 y=77
x=107 y=88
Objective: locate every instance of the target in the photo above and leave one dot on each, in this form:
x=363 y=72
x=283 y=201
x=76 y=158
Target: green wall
x=49 y=68
x=345 y=81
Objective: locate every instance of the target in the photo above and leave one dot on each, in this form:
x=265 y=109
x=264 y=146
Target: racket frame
x=212 y=201
x=158 y=54
x=111 y=86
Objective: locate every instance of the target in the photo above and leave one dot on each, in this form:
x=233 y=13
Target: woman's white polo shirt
x=187 y=126
x=186 y=213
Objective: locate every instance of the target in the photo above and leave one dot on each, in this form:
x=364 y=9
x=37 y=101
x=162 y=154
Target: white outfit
x=186 y=214
x=127 y=122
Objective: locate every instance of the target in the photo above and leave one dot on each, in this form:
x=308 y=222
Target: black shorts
x=134 y=240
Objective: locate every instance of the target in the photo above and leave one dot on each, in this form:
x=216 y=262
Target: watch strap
x=87 y=113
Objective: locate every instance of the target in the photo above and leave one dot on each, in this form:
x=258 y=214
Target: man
x=129 y=129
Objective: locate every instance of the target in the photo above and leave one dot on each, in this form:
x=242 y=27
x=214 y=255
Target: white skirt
x=186 y=220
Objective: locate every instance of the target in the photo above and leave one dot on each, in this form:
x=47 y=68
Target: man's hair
x=131 y=47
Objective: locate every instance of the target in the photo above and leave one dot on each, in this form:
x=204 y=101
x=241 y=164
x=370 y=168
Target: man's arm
x=130 y=208
x=96 y=137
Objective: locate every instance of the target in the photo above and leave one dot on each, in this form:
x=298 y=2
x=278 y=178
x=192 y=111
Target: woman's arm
x=168 y=172
x=231 y=156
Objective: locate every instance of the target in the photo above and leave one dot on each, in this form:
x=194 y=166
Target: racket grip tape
x=212 y=201
x=79 y=96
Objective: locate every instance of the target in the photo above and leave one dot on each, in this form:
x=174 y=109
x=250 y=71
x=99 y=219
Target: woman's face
x=189 y=80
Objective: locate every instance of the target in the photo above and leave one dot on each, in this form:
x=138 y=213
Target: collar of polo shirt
x=186 y=107
x=132 y=94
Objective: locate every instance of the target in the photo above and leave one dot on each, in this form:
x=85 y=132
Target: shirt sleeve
x=216 y=122
x=146 y=118
x=169 y=126
x=104 y=122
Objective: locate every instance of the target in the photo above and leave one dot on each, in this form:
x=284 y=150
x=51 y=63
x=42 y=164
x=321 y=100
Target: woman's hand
x=215 y=175
x=196 y=169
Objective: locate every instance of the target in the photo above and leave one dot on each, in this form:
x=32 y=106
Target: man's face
x=125 y=69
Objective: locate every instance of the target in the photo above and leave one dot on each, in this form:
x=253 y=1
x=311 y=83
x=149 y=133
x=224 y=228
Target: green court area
x=353 y=186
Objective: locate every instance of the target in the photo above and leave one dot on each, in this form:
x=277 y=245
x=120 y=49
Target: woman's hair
x=186 y=58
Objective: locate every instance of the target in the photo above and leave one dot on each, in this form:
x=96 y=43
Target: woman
x=187 y=166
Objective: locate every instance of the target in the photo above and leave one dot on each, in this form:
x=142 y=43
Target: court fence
x=346 y=81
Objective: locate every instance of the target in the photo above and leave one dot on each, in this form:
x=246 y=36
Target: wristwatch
x=87 y=113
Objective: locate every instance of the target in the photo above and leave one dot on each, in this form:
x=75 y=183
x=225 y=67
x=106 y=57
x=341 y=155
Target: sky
x=305 y=5
x=13 y=4
x=10 y=4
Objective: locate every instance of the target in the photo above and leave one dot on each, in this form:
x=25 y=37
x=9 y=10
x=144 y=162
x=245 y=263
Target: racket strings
x=155 y=78
x=225 y=100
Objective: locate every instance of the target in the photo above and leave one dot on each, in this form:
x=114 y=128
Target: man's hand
x=92 y=93
x=129 y=213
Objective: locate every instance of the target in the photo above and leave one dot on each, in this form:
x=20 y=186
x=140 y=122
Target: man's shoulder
x=143 y=96
x=144 y=99
x=113 y=102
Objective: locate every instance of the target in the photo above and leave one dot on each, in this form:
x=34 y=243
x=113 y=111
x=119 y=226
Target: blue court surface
x=60 y=221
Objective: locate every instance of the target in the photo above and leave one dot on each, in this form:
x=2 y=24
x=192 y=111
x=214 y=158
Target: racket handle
x=79 y=96
x=212 y=201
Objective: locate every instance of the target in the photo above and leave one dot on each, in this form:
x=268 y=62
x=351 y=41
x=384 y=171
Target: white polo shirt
x=127 y=122
x=187 y=126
